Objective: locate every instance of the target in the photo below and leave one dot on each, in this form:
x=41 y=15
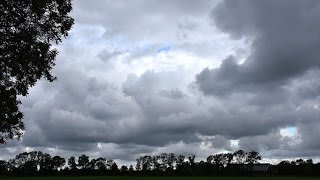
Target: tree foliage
x=28 y=29
x=37 y=163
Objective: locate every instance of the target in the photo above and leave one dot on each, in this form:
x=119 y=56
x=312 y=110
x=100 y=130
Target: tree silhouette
x=37 y=163
x=124 y=168
x=240 y=156
x=216 y=160
x=3 y=166
x=45 y=162
x=109 y=164
x=156 y=163
x=31 y=162
x=100 y=164
x=146 y=163
x=131 y=169
x=27 y=30
x=138 y=165
x=191 y=158
x=83 y=162
x=253 y=157
x=72 y=163
x=114 y=168
x=58 y=162
x=180 y=160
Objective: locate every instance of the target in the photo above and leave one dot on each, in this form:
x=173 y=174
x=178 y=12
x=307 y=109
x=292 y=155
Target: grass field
x=158 y=178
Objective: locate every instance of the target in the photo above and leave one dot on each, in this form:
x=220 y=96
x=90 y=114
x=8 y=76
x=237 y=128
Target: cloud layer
x=147 y=77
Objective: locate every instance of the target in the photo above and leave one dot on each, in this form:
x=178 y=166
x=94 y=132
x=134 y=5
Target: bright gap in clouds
x=288 y=131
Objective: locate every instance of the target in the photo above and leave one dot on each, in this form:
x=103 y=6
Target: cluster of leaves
x=27 y=30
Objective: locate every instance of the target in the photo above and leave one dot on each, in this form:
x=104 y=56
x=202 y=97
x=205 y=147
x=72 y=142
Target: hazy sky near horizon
x=183 y=76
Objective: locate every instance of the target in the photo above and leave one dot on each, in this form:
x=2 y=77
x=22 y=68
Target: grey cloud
x=218 y=142
x=309 y=133
x=284 y=43
x=263 y=143
x=173 y=93
x=83 y=110
x=277 y=85
x=231 y=117
x=140 y=18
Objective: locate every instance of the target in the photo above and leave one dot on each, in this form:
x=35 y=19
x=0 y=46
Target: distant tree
x=45 y=162
x=201 y=169
x=23 y=161
x=39 y=163
x=31 y=162
x=124 y=168
x=100 y=164
x=171 y=160
x=284 y=163
x=3 y=167
x=72 y=163
x=114 y=168
x=191 y=158
x=285 y=167
x=210 y=159
x=240 y=157
x=146 y=162
x=180 y=160
x=58 y=162
x=109 y=164
x=131 y=169
x=309 y=161
x=156 y=163
x=83 y=162
x=12 y=166
x=192 y=164
x=220 y=160
x=27 y=30
x=228 y=158
x=138 y=165
x=163 y=161
x=253 y=157
x=300 y=162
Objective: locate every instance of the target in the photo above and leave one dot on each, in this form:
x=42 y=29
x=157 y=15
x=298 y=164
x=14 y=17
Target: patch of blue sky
x=165 y=48
x=289 y=131
x=292 y=130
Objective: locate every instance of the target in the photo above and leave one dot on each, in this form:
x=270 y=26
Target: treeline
x=37 y=163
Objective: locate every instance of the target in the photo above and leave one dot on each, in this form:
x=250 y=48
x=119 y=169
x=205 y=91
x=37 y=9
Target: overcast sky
x=140 y=77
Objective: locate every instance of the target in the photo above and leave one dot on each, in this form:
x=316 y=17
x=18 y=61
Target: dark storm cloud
x=263 y=143
x=180 y=117
x=277 y=85
x=285 y=41
x=82 y=110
